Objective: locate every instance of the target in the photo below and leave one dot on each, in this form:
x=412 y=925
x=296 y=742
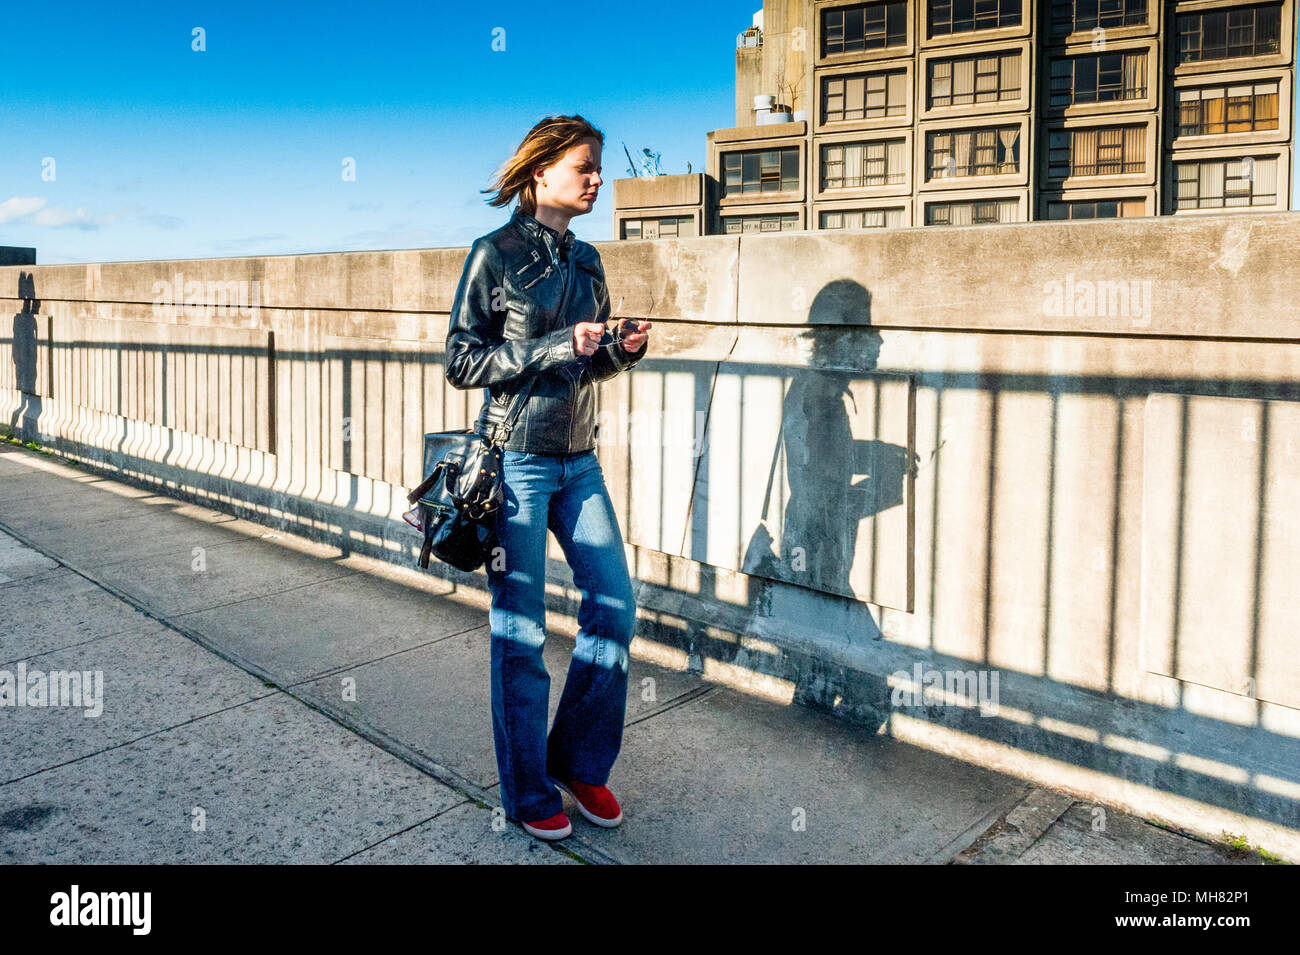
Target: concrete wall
x=1064 y=457
x=785 y=70
x=681 y=195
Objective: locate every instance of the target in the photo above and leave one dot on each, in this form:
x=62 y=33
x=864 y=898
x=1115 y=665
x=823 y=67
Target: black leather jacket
x=523 y=289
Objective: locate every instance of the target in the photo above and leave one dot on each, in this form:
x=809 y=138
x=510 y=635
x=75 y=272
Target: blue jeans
x=566 y=494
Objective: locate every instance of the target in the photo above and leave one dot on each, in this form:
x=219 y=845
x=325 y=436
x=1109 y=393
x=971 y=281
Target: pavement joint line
x=173 y=553
x=681 y=699
x=143 y=736
x=136 y=515
x=345 y=667
x=167 y=553
x=274 y=593
x=448 y=777
x=976 y=830
x=70 y=646
x=1008 y=835
x=38 y=473
x=28 y=498
x=36 y=577
x=414 y=825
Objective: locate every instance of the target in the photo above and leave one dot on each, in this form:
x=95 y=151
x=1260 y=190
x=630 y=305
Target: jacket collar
x=541 y=231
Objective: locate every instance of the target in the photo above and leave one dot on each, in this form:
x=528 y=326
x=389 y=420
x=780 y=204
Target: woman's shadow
x=26 y=416
x=836 y=481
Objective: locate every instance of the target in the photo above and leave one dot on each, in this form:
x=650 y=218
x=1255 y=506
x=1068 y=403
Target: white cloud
x=56 y=218
x=34 y=210
x=19 y=208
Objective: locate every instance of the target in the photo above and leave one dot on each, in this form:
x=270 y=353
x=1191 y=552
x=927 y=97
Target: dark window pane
x=766 y=170
x=946 y=17
x=1223 y=34
x=864 y=26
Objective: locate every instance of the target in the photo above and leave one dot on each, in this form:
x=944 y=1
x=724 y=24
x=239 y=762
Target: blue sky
x=163 y=152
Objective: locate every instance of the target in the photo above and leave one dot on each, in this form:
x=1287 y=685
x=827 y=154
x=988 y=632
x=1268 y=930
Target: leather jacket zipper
x=573 y=412
x=545 y=272
x=566 y=269
x=537 y=257
x=573 y=389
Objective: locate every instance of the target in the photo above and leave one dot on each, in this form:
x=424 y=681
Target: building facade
x=946 y=112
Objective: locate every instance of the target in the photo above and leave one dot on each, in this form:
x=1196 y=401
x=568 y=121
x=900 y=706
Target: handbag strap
x=501 y=431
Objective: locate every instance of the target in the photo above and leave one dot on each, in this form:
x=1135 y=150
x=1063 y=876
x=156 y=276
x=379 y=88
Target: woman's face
x=572 y=183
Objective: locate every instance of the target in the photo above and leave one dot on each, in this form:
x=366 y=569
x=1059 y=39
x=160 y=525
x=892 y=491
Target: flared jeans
x=565 y=494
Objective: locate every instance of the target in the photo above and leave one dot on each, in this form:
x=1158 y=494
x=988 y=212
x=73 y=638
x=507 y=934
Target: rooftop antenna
x=651 y=163
x=649 y=166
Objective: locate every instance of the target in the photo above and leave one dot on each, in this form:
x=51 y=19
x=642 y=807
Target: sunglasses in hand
x=624 y=327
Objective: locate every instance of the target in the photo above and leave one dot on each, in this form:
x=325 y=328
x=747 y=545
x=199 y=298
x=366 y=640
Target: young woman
x=528 y=324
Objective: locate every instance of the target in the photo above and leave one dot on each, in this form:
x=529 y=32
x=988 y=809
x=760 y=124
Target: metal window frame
x=836 y=26
x=1189 y=31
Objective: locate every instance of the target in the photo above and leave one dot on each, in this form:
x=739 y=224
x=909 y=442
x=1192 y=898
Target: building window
x=1227 y=183
x=1096 y=151
x=973 y=152
x=664 y=227
x=978 y=212
x=962 y=16
x=1098 y=209
x=767 y=170
x=1071 y=16
x=862 y=218
x=1102 y=78
x=1227 y=109
x=864 y=96
x=974 y=79
x=864 y=26
x=775 y=222
x=1236 y=31
x=854 y=165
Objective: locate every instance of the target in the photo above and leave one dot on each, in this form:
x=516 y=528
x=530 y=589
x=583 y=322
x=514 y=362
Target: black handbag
x=459 y=500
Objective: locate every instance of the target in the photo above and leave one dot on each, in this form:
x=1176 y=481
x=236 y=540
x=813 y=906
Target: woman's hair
x=545 y=144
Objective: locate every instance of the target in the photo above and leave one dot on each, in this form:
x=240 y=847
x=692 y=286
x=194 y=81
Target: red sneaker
x=597 y=803
x=557 y=827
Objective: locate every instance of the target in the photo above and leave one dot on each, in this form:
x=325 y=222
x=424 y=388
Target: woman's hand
x=586 y=337
x=634 y=341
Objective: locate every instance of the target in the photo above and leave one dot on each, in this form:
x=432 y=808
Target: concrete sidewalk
x=268 y=700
